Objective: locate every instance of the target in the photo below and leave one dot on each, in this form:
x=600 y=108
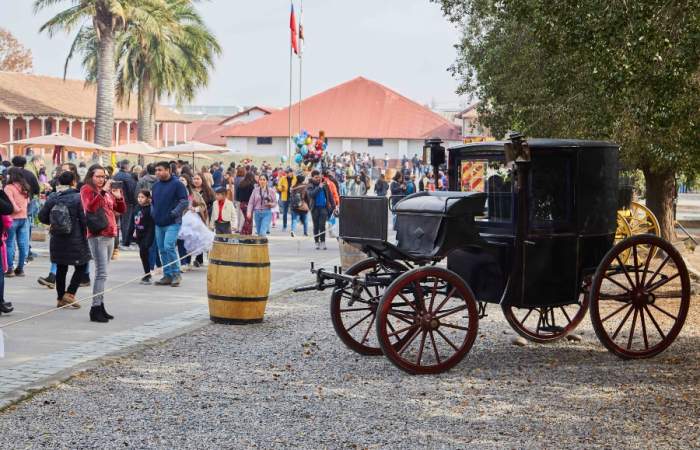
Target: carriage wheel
x=546 y=323
x=427 y=320
x=638 y=308
x=353 y=315
x=623 y=232
x=642 y=220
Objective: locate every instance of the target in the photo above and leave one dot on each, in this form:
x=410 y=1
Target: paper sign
x=2 y=344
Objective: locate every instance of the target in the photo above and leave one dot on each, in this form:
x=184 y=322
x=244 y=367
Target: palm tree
x=165 y=51
x=108 y=17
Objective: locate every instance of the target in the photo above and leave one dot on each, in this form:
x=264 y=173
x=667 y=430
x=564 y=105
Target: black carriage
x=529 y=225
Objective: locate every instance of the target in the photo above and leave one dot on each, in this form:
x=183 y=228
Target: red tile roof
x=359 y=108
x=38 y=95
x=265 y=109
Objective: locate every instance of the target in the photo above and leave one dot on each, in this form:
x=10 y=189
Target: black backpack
x=296 y=200
x=60 y=219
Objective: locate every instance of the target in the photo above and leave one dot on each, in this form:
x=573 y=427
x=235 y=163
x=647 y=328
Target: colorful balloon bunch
x=309 y=151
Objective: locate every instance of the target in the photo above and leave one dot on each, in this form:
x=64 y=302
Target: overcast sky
x=405 y=44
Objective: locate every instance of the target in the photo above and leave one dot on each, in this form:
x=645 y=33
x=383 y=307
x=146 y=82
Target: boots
x=105 y=313
x=49 y=281
x=96 y=314
x=68 y=300
x=6 y=307
x=115 y=253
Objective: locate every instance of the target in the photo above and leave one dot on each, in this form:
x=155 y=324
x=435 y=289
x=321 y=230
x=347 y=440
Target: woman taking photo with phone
x=100 y=201
x=260 y=206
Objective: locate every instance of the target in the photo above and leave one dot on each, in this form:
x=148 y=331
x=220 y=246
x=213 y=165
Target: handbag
x=96 y=221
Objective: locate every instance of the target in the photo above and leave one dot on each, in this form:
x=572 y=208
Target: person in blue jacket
x=169 y=203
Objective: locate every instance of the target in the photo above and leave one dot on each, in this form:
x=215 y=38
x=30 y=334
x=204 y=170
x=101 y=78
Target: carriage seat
x=431 y=224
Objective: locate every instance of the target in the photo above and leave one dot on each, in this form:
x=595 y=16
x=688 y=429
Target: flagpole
x=301 y=56
x=289 y=141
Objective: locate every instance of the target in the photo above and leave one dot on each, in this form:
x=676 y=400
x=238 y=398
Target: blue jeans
x=284 y=210
x=300 y=217
x=263 y=218
x=166 y=239
x=19 y=231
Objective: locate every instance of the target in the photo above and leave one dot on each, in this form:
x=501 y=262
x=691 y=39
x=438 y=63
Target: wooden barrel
x=238 y=279
x=349 y=255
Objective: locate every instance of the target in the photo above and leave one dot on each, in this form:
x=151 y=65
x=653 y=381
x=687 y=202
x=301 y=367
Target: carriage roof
x=537 y=143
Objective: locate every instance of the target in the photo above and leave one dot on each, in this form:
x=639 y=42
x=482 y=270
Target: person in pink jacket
x=17 y=190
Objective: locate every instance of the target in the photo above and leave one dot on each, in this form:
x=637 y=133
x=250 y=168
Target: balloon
x=308 y=140
x=283 y=159
x=325 y=145
x=304 y=151
x=297 y=158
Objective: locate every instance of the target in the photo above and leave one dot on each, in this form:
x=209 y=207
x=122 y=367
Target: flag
x=301 y=31
x=293 y=29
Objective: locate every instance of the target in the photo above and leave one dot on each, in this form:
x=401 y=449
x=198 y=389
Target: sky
x=406 y=45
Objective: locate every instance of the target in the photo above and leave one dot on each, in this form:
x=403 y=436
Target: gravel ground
x=291 y=383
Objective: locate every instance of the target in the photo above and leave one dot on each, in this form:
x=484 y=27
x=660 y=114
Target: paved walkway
x=50 y=346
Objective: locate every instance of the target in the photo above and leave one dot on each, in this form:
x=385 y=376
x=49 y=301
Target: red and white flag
x=293 y=29
x=301 y=30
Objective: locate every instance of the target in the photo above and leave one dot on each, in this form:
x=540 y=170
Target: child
x=144 y=232
x=223 y=215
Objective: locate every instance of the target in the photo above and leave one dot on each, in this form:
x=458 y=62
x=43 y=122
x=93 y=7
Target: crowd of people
x=170 y=211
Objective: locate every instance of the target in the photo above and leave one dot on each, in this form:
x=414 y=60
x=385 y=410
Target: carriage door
x=551 y=253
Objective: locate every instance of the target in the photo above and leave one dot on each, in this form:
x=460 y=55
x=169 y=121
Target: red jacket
x=93 y=200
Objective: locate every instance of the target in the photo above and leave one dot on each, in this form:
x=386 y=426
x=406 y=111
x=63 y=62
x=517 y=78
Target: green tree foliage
x=605 y=69
x=166 y=50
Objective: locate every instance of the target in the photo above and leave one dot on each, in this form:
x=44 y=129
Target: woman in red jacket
x=100 y=202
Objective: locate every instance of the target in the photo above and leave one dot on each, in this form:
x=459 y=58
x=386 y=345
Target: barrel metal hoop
x=219 y=262
x=237 y=240
x=227 y=298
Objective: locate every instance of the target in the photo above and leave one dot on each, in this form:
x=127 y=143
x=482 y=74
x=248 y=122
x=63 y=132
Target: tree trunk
x=661 y=190
x=145 y=110
x=104 y=111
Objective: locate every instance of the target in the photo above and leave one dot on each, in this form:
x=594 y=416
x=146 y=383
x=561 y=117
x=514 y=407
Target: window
x=18 y=134
x=493 y=178
x=49 y=127
x=375 y=142
x=264 y=141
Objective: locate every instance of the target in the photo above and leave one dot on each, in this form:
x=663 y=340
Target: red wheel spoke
x=634 y=322
x=408 y=302
x=662 y=282
x=432 y=295
x=456 y=327
x=354 y=309
x=644 y=328
x=420 y=349
x=658 y=270
x=451 y=311
x=435 y=350
x=665 y=312
x=616 y=282
x=447 y=340
x=622 y=323
x=624 y=270
x=401 y=317
x=449 y=296
x=408 y=342
x=658 y=328
x=360 y=321
x=397 y=332
x=364 y=336
x=646 y=267
x=636 y=264
x=626 y=305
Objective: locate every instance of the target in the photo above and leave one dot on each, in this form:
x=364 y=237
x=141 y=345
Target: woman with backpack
x=63 y=212
x=299 y=205
x=100 y=202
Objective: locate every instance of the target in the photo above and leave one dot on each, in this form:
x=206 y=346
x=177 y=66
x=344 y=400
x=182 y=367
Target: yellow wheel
x=642 y=221
x=623 y=232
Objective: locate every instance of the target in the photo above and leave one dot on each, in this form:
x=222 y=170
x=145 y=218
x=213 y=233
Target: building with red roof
x=360 y=115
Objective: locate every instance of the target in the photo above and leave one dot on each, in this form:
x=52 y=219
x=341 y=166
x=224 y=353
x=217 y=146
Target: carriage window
x=494 y=178
x=550 y=192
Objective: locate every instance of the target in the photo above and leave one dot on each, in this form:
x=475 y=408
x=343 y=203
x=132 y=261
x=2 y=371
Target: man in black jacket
x=322 y=205
x=129 y=189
